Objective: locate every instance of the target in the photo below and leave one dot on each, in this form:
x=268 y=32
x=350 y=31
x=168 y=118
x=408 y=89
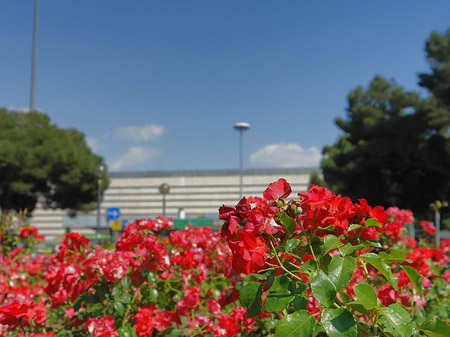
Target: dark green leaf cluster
x=41 y=162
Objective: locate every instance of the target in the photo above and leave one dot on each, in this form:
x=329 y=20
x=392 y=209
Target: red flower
x=27 y=232
x=248 y=252
x=101 y=327
x=12 y=313
x=149 y=318
x=317 y=197
x=277 y=190
x=427 y=227
x=190 y=300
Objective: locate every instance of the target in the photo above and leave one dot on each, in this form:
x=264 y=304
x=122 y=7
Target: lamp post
x=241 y=127
x=100 y=171
x=164 y=189
x=436 y=206
x=34 y=55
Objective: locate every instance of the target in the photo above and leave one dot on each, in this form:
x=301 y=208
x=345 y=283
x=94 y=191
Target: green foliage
x=436 y=328
x=40 y=160
x=394 y=151
x=250 y=298
x=316 y=179
x=300 y=323
x=339 y=323
x=438 y=82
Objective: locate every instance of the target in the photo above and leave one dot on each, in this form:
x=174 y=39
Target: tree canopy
x=395 y=149
x=41 y=162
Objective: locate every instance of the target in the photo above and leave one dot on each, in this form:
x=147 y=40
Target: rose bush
x=150 y=284
x=331 y=267
x=316 y=265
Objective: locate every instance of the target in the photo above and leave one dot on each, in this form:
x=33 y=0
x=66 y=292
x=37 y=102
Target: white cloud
x=135 y=156
x=94 y=144
x=285 y=156
x=141 y=133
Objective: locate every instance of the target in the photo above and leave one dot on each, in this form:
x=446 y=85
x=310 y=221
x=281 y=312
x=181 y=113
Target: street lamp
x=436 y=206
x=164 y=189
x=99 y=171
x=34 y=55
x=241 y=127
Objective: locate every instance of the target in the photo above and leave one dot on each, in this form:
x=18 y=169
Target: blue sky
x=158 y=85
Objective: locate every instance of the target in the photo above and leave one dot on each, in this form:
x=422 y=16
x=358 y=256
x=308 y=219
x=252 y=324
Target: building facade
x=192 y=193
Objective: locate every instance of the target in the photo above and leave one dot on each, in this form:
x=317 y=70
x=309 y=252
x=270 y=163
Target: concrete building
x=196 y=193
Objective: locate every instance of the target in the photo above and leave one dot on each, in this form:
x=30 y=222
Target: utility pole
x=34 y=55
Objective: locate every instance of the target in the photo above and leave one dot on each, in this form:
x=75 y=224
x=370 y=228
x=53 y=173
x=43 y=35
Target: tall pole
x=241 y=127
x=34 y=55
x=437 y=224
x=164 y=189
x=99 y=171
x=241 y=169
x=164 y=205
x=99 y=198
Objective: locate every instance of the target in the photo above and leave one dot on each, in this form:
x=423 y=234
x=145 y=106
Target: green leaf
x=175 y=332
x=126 y=331
x=277 y=302
x=340 y=270
x=372 y=222
x=396 y=320
x=291 y=244
x=153 y=295
x=435 y=328
x=415 y=278
x=323 y=289
x=287 y=221
x=119 y=308
x=77 y=304
x=250 y=298
x=382 y=267
x=367 y=296
x=126 y=282
x=151 y=278
x=397 y=254
x=339 y=323
x=329 y=243
x=309 y=265
x=348 y=249
x=345 y=298
x=117 y=293
x=298 y=324
x=358 y=307
x=259 y=277
x=280 y=294
x=281 y=283
x=300 y=303
x=126 y=298
x=353 y=227
x=394 y=255
x=330 y=228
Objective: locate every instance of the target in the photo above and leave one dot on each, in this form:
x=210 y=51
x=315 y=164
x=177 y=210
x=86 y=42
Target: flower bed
x=319 y=265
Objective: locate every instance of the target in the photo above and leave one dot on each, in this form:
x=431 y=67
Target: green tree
x=316 y=179
x=41 y=162
x=438 y=55
x=394 y=150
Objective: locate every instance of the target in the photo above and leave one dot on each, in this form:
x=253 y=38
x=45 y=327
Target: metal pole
x=34 y=55
x=241 y=173
x=99 y=197
x=437 y=223
x=164 y=205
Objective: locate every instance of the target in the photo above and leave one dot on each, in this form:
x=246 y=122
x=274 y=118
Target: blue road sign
x=113 y=213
